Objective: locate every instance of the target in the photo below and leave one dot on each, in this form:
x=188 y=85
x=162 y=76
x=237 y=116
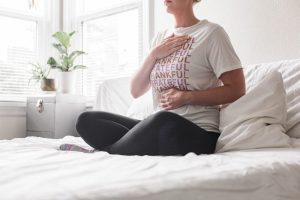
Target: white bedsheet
x=33 y=169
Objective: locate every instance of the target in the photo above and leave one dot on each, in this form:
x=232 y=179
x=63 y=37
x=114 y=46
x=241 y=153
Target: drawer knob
x=39 y=105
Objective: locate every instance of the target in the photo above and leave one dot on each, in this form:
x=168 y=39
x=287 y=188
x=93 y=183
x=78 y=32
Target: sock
x=74 y=147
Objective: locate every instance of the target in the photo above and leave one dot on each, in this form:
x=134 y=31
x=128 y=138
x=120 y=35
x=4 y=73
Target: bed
x=33 y=168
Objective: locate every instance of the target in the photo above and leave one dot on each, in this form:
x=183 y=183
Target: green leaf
x=66 y=63
x=63 y=38
x=60 y=68
x=54 y=65
x=60 y=48
x=72 y=33
x=76 y=53
x=70 y=62
x=38 y=71
x=77 y=67
x=52 y=62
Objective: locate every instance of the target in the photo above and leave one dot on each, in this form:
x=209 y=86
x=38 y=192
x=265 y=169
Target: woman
x=192 y=69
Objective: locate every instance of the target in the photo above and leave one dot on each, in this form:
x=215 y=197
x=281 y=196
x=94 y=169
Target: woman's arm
x=232 y=89
x=140 y=82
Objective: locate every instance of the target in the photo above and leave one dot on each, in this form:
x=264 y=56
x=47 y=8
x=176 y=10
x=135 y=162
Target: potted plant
x=40 y=73
x=66 y=61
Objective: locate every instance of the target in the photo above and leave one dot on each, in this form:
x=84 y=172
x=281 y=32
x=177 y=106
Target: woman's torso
x=189 y=68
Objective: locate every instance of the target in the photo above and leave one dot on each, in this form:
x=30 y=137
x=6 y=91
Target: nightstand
x=53 y=115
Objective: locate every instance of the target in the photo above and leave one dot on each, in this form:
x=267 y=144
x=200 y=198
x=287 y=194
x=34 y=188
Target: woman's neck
x=184 y=20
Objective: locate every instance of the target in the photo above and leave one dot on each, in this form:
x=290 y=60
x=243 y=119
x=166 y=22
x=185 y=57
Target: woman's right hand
x=169 y=46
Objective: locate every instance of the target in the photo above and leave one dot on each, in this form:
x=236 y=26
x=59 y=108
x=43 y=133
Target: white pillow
x=256 y=120
x=141 y=107
x=114 y=96
x=290 y=70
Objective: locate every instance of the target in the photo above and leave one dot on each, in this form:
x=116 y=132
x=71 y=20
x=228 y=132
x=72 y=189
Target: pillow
x=114 y=96
x=256 y=120
x=141 y=107
x=295 y=130
x=290 y=70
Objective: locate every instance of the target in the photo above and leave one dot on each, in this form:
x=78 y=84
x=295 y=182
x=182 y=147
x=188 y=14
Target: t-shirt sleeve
x=221 y=54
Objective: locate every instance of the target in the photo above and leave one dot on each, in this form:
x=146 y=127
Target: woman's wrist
x=152 y=56
x=187 y=97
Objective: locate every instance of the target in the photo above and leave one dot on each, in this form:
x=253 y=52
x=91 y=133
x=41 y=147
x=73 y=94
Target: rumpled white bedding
x=32 y=168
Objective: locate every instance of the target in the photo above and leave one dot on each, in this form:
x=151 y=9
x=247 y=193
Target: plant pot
x=67 y=82
x=48 y=85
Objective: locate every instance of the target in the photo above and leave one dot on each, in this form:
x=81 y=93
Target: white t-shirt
x=196 y=66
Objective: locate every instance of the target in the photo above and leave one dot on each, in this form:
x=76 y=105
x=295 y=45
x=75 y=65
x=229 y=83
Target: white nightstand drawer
x=53 y=115
x=40 y=121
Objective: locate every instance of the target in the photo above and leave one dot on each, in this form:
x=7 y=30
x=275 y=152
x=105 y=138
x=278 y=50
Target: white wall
x=260 y=30
x=12 y=121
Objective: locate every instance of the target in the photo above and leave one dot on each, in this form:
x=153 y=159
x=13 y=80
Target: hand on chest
x=173 y=70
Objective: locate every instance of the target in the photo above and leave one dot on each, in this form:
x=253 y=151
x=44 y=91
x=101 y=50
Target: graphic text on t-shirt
x=172 y=71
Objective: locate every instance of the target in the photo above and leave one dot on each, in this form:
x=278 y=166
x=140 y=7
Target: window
x=112 y=34
x=21 y=37
x=16 y=51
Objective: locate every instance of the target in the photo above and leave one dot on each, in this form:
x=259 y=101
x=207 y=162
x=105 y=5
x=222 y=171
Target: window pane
x=18 y=48
x=112 y=44
x=23 y=5
x=88 y=6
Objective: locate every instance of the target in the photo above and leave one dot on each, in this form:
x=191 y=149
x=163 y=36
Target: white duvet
x=32 y=168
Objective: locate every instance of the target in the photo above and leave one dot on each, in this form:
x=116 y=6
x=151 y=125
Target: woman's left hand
x=172 y=98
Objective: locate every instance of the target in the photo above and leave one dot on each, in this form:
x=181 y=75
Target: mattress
x=33 y=168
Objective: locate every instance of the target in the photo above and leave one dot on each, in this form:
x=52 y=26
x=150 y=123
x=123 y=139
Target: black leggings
x=163 y=133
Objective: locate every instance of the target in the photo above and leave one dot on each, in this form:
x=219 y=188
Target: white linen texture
x=256 y=120
x=33 y=169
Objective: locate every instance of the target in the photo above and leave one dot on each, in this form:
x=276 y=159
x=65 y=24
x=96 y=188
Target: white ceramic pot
x=67 y=81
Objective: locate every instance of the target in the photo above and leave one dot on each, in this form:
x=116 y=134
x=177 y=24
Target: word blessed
x=172 y=71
